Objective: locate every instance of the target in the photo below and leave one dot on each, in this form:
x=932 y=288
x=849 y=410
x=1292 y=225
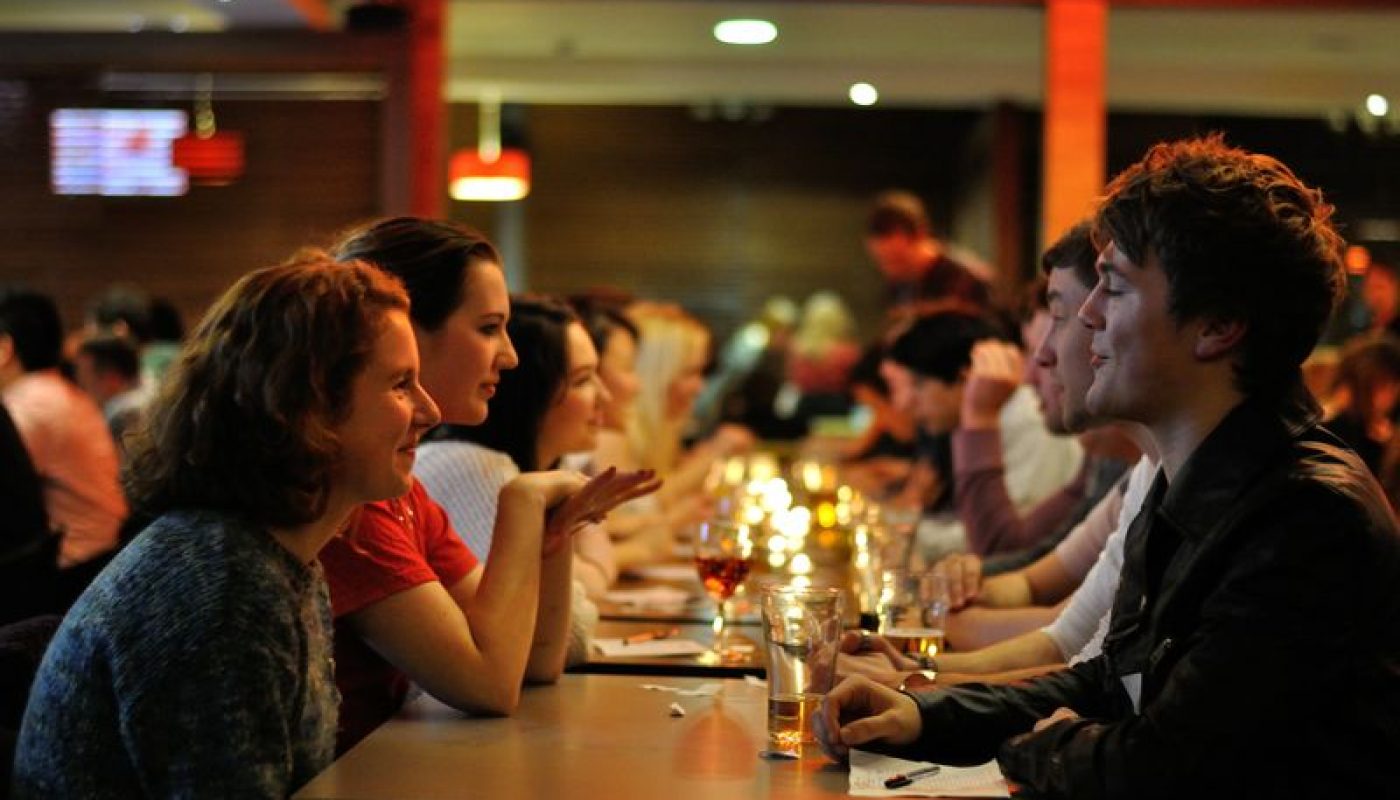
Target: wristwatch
x=919 y=679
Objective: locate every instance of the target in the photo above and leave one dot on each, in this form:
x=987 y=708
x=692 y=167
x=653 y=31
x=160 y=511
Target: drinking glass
x=913 y=610
x=723 y=557
x=802 y=633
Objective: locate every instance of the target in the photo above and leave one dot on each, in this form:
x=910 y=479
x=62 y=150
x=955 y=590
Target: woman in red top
x=411 y=602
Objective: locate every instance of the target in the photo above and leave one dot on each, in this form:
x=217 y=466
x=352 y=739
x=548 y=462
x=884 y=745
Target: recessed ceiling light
x=179 y=23
x=746 y=31
x=1377 y=105
x=863 y=94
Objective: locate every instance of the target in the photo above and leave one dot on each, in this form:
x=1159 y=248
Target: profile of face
x=686 y=386
x=463 y=359
x=618 y=369
x=1141 y=357
x=897 y=254
x=1063 y=355
x=101 y=385
x=900 y=380
x=937 y=404
x=389 y=411
x=571 y=424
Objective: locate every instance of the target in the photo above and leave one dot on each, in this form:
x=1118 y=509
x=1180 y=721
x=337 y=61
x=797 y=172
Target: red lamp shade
x=472 y=177
x=215 y=160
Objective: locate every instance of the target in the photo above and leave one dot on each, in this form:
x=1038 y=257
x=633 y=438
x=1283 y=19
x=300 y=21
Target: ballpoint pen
x=906 y=778
x=647 y=636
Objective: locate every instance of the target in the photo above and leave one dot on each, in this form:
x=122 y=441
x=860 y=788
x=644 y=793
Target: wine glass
x=723 y=556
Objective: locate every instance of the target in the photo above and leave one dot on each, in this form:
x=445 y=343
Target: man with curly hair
x=1253 y=628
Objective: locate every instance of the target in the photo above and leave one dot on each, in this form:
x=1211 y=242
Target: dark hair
x=538 y=327
x=866 y=370
x=1240 y=238
x=1074 y=251
x=939 y=345
x=431 y=257
x=1366 y=362
x=166 y=325
x=113 y=354
x=897 y=212
x=31 y=321
x=244 y=419
x=126 y=305
x=602 y=319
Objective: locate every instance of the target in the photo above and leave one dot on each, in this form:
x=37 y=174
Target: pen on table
x=906 y=778
x=647 y=636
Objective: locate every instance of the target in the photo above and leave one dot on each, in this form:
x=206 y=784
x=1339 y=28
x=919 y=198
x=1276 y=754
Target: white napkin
x=666 y=572
x=703 y=690
x=675 y=646
x=869 y=771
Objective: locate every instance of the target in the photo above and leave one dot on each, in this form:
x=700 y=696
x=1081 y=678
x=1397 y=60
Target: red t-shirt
x=396 y=545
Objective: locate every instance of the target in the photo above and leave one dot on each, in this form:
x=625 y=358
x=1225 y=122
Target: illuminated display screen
x=116 y=152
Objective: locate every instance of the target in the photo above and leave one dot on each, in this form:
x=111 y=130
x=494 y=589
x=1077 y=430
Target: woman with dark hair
x=198 y=664
x=411 y=601
x=547 y=407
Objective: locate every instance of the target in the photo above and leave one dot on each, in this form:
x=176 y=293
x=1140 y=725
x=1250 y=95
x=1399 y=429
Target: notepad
x=869 y=771
x=656 y=647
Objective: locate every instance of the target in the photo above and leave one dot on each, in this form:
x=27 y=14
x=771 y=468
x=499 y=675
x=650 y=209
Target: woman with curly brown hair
x=198 y=663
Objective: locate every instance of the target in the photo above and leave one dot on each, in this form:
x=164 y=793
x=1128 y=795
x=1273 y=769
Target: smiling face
x=389 y=411
x=1142 y=359
x=571 y=424
x=618 y=370
x=463 y=359
x=1063 y=354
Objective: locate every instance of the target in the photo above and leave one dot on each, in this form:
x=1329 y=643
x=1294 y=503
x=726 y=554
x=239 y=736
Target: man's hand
x=1060 y=715
x=858 y=711
x=964 y=571
x=997 y=369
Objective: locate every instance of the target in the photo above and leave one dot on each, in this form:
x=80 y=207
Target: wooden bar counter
x=590 y=736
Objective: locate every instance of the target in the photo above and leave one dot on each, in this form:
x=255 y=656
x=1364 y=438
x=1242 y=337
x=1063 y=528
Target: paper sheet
x=652 y=596
x=869 y=771
x=666 y=572
x=703 y=690
x=675 y=646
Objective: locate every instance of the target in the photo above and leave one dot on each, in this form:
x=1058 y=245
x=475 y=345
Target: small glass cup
x=913 y=611
x=802 y=633
x=723 y=558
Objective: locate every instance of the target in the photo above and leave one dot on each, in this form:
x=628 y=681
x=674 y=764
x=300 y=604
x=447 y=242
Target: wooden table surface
x=590 y=736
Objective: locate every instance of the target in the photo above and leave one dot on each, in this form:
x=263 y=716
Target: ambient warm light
x=746 y=31
x=863 y=94
x=1377 y=105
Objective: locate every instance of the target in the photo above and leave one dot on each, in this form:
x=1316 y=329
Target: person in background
x=1363 y=398
x=546 y=407
x=749 y=373
x=199 y=663
x=28 y=551
x=936 y=371
x=66 y=436
x=641 y=530
x=820 y=359
x=411 y=601
x=109 y=369
x=1380 y=292
x=1262 y=537
x=921 y=276
x=671 y=357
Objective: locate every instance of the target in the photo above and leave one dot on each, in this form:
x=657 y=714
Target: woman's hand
x=574 y=504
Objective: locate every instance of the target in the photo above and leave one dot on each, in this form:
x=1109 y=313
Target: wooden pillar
x=1076 y=33
x=427 y=108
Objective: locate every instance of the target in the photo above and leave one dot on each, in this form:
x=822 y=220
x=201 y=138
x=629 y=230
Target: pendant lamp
x=488 y=171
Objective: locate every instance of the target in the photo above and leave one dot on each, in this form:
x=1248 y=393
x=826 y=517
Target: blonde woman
x=670 y=361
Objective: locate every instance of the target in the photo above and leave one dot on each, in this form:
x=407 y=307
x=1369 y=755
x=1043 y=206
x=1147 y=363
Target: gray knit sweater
x=196 y=665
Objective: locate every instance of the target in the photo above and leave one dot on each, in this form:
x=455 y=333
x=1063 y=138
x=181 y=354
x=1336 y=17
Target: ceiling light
x=490 y=172
x=179 y=23
x=1377 y=105
x=746 y=31
x=863 y=94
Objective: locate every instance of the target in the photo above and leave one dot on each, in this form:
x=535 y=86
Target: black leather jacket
x=1260 y=605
